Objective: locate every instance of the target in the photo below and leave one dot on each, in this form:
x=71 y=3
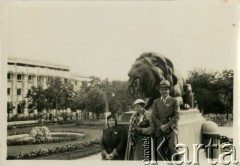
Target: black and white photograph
x=129 y=82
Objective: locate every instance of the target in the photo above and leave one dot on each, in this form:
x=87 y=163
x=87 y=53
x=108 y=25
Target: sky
x=104 y=39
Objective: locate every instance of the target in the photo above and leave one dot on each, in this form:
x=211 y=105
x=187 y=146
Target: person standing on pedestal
x=165 y=115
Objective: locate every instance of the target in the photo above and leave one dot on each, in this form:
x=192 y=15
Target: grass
x=91 y=132
x=55 y=128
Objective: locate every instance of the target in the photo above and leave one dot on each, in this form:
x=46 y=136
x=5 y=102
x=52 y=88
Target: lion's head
x=147 y=72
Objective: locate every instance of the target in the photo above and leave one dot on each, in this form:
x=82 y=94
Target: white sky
x=104 y=39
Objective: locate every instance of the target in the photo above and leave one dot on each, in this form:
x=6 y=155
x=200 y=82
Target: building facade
x=22 y=74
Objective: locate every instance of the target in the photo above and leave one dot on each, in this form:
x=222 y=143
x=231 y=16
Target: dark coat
x=167 y=113
x=113 y=141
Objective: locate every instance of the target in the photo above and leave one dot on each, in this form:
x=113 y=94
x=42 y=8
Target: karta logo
x=183 y=155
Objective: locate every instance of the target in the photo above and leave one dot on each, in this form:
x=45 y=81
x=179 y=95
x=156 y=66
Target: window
x=19 y=91
x=9 y=76
x=30 y=78
x=40 y=78
x=19 y=77
x=8 y=91
x=49 y=79
x=84 y=83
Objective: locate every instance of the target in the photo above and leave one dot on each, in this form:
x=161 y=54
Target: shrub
x=225 y=140
x=91 y=123
x=16 y=117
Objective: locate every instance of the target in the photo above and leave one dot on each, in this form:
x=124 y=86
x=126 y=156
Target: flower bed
x=50 y=151
x=27 y=130
x=226 y=140
x=34 y=141
x=56 y=137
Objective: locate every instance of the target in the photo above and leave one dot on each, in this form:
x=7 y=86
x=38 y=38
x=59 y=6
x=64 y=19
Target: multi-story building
x=23 y=74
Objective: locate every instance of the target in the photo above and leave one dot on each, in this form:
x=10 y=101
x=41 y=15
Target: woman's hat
x=164 y=84
x=139 y=101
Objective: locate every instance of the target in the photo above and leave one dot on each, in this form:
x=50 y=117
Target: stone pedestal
x=126 y=116
x=190 y=131
x=190 y=127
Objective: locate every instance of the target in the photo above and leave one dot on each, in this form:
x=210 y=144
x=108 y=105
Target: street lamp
x=56 y=112
x=106 y=97
x=113 y=95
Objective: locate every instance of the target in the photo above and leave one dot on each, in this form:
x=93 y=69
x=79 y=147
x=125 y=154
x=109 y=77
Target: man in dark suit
x=165 y=115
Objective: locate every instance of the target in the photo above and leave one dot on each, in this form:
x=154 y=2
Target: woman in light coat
x=140 y=140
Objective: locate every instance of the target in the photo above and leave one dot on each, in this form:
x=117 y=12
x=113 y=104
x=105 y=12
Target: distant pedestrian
x=113 y=142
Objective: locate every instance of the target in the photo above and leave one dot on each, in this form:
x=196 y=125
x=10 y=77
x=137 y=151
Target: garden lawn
x=91 y=132
x=54 y=128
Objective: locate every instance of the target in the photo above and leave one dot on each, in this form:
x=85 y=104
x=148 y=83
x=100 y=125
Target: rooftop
x=29 y=61
x=41 y=63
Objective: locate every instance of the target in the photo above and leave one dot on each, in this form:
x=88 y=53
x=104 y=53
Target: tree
x=37 y=99
x=121 y=100
x=67 y=92
x=59 y=94
x=79 y=101
x=213 y=90
x=31 y=108
x=95 y=101
x=94 y=82
x=20 y=107
x=10 y=108
x=224 y=90
x=201 y=81
x=54 y=94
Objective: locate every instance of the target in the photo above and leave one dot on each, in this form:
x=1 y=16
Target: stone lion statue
x=146 y=73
